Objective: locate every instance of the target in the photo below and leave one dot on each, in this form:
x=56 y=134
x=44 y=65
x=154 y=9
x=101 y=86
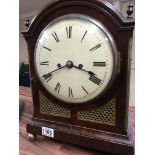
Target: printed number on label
x=48 y=132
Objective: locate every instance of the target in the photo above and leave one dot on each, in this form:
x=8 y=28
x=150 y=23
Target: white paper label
x=48 y=132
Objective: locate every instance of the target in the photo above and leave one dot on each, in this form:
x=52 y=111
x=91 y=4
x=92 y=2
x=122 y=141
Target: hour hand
x=89 y=72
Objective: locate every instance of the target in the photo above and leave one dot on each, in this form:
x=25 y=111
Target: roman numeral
x=83 y=36
x=47 y=77
x=70 y=92
x=99 y=64
x=84 y=89
x=57 y=87
x=47 y=48
x=69 y=31
x=95 y=47
x=44 y=63
x=95 y=80
x=55 y=37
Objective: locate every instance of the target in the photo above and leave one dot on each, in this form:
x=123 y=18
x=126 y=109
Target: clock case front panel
x=68 y=128
x=91 y=26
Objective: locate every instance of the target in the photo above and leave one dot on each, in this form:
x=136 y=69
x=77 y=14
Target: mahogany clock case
x=115 y=58
x=121 y=30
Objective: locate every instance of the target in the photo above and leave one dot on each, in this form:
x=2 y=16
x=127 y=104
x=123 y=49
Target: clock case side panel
x=121 y=31
x=33 y=78
x=123 y=43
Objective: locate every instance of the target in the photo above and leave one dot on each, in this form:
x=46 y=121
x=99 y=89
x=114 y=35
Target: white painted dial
x=74 y=59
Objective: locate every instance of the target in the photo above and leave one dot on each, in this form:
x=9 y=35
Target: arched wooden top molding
x=102 y=6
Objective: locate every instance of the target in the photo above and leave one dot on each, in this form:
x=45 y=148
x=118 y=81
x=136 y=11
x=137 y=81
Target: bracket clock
x=80 y=68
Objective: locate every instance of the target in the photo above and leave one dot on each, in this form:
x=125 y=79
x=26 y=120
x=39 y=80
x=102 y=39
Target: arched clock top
x=101 y=6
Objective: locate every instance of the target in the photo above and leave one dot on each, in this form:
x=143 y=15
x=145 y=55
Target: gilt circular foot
x=31 y=137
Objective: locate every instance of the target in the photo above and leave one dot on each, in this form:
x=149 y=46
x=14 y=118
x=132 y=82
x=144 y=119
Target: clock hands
x=69 y=64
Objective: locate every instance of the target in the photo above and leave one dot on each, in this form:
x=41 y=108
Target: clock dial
x=74 y=58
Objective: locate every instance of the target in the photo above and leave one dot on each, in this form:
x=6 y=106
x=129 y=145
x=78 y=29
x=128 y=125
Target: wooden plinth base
x=95 y=139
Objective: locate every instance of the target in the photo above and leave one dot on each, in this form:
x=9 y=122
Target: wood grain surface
x=45 y=146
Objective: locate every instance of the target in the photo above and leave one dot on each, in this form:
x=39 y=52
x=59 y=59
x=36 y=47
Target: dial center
x=69 y=64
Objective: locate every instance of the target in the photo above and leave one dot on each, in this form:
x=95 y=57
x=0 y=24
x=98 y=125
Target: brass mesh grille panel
x=47 y=107
x=104 y=115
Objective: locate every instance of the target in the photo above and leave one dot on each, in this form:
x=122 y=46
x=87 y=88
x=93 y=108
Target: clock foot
x=31 y=137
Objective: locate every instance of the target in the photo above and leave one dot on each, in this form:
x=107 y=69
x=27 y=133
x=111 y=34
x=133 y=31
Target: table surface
x=43 y=145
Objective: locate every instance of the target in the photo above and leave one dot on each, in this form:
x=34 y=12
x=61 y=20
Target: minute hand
x=50 y=73
x=57 y=69
x=89 y=72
